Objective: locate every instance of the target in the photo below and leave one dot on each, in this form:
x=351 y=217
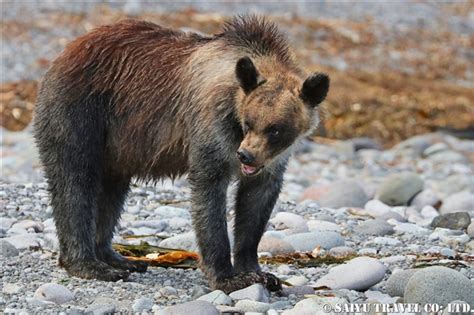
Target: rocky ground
x=386 y=213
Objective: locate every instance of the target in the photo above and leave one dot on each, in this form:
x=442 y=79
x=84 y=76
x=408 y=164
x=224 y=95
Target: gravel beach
x=388 y=211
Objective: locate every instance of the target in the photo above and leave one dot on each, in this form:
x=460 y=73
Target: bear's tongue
x=248 y=169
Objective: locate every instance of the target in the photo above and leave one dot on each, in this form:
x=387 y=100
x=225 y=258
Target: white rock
x=385 y=241
x=284 y=269
x=29 y=224
x=315 y=305
x=216 y=297
x=310 y=240
x=297 y=280
x=7 y=249
x=24 y=241
x=462 y=201
x=252 y=306
x=411 y=229
x=357 y=274
x=6 y=223
x=54 y=292
x=186 y=241
x=429 y=212
x=168 y=212
x=320 y=226
x=255 y=292
x=11 y=288
x=426 y=197
x=380 y=297
x=142 y=304
x=289 y=223
x=376 y=208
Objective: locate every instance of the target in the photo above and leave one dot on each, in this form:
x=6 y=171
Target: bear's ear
x=247 y=74
x=315 y=88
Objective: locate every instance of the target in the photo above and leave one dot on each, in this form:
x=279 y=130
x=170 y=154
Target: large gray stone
x=193 y=307
x=345 y=193
x=186 y=241
x=252 y=306
x=142 y=304
x=374 y=227
x=398 y=189
x=24 y=241
x=289 y=223
x=306 y=242
x=275 y=246
x=453 y=221
x=427 y=197
x=459 y=202
x=53 y=292
x=216 y=297
x=315 y=305
x=7 y=249
x=357 y=274
x=439 y=285
x=398 y=281
x=255 y=292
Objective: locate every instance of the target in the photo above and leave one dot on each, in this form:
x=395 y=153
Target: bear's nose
x=245 y=157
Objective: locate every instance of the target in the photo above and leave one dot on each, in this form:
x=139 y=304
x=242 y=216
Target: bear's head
x=274 y=109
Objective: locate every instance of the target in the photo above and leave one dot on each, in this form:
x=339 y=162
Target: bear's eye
x=274 y=132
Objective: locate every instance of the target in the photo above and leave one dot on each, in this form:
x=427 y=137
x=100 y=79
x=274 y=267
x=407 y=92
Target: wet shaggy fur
x=137 y=100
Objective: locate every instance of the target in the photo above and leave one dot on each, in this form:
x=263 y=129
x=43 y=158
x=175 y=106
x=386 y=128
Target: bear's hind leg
x=111 y=198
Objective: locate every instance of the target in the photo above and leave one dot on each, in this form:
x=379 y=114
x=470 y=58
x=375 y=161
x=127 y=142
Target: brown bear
x=137 y=100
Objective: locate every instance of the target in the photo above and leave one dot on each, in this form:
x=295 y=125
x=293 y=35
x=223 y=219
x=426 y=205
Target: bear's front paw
x=245 y=279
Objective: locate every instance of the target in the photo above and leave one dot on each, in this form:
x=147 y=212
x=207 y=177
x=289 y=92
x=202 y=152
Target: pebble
x=462 y=201
x=11 y=288
x=252 y=306
x=314 y=305
x=300 y=290
x=29 y=224
x=470 y=229
x=374 y=227
x=53 y=292
x=427 y=197
x=306 y=242
x=411 y=229
x=438 y=285
x=344 y=193
x=7 y=249
x=321 y=226
x=216 y=297
x=101 y=309
x=289 y=223
x=376 y=208
x=255 y=292
x=185 y=241
x=275 y=246
x=357 y=274
x=397 y=282
x=142 y=304
x=168 y=291
x=284 y=269
x=193 y=307
x=385 y=241
x=341 y=251
x=297 y=280
x=453 y=221
x=24 y=241
x=399 y=188
x=429 y=212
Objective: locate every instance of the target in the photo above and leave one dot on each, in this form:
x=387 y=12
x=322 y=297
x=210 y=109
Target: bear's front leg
x=209 y=179
x=256 y=197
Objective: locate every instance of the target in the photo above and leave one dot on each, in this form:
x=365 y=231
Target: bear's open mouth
x=248 y=170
